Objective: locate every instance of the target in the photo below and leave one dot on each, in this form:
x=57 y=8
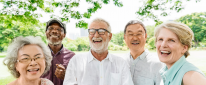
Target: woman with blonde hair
x=173 y=41
x=27 y=59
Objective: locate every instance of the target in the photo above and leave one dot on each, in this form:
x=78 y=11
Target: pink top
x=45 y=81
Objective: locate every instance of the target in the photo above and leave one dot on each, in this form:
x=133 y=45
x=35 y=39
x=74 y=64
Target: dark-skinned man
x=55 y=33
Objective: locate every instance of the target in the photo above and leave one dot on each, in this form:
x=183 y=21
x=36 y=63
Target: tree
x=118 y=38
x=197 y=22
x=14 y=26
x=66 y=7
x=163 y=6
x=150 y=31
x=29 y=8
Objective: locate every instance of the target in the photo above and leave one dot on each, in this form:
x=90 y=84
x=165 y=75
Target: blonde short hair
x=183 y=32
x=19 y=42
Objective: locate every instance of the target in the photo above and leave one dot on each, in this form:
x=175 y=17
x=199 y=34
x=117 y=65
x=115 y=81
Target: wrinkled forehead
x=98 y=25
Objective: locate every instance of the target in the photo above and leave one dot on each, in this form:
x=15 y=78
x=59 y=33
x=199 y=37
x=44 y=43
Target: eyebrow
x=29 y=56
x=137 y=31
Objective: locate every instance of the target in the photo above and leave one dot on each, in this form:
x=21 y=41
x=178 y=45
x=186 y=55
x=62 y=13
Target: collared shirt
x=174 y=75
x=144 y=69
x=62 y=57
x=85 y=69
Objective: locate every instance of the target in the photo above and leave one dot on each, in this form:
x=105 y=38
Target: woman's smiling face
x=30 y=69
x=169 y=48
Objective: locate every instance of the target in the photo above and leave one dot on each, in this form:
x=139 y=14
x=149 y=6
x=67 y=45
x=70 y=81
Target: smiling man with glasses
x=98 y=66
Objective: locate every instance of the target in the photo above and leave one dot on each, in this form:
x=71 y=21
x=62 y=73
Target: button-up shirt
x=174 y=75
x=85 y=69
x=62 y=57
x=144 y=69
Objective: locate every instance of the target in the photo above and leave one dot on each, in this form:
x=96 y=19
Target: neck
x=99 y=56
x=23 y=81
x=136 y=53
x=55 y=48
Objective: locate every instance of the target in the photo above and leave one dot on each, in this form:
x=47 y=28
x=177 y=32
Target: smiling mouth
x=135 y=43
x=97 y=41
x=165 y=52
x=33 y=70
x=54 y=36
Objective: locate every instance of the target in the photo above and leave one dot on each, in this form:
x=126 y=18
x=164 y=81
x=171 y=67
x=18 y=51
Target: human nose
x=164 y=44
x=96 y=34
x=134 y=37
x=33 y=62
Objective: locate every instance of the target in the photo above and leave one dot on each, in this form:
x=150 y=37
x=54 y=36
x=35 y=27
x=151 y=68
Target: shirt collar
x=58 y=51
x=143 y=55
x=170 y=74
x=91 y=57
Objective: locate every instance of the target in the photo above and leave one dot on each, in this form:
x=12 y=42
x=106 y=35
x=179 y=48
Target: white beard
x=100 y=47
x=53 y=43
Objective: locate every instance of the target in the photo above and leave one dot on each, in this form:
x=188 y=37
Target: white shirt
x=144 y=69
x=85 y=69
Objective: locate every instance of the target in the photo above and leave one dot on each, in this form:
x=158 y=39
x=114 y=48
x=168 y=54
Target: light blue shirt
x=174 y=75
x=144 y=69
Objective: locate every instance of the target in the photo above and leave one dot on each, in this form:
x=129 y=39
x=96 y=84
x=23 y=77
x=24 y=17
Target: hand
x=60 y=71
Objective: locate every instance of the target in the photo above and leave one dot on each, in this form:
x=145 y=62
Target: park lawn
x=6 y=80
x=2 y=55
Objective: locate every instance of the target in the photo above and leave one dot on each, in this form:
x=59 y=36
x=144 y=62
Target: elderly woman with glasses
x=173 y=41
x=27 y=59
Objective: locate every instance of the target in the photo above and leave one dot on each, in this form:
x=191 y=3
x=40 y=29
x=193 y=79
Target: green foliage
x=12 y=26
x=164 y=6
x=151 y=43
x=31 y=8
x=150 y=32
x=118 y=38
x=197 y=22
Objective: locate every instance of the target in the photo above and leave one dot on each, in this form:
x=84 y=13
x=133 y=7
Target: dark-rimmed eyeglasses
x=100 y=31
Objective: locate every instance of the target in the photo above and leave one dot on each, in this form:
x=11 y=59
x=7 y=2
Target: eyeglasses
x=58 y=29
x=28 y=59
x=132 y=35
x=100 y=31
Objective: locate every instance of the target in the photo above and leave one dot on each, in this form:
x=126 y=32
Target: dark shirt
x=62 y=57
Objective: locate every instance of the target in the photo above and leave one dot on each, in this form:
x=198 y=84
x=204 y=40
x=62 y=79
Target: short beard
x=100 y=49
x=53 y=43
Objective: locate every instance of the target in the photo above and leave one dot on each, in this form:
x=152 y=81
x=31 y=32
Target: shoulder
x=125 y=56
x=153 y=59
x=117 y=59
x=12 y=83
x=45 y=81
x=67 y=51
x=194 y=78
x=80 y=57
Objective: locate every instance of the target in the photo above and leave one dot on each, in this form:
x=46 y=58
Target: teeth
x=135 y=43
x=165 y=51
x=33 y=70
x=53 y=36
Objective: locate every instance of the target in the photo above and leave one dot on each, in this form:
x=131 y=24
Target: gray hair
x=19 y=42
x=102 y=20
x=135 y=22
x=183 y=32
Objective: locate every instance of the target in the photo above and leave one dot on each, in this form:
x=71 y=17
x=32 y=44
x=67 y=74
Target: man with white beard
x=55 y=33
x=98 y=66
